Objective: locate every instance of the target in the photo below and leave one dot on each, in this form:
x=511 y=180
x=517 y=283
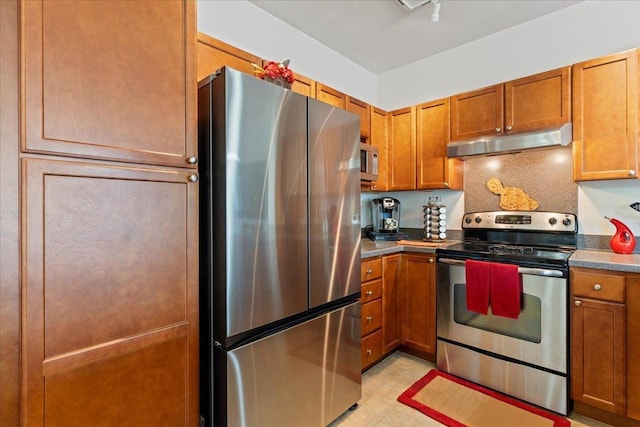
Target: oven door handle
x=522 y=270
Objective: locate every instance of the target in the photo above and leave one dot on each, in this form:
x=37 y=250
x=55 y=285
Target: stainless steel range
x=524 y=355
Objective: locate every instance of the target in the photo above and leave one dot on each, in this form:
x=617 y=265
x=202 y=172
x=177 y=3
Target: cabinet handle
x=369 y=318
x=369 y=351
x=498 y=130
x=578 y=303
x=369 y=271
x=446 y=184
x=631 y=172
x=369 y=292
x=192 y=160
x=193 y=178
x=597 y=287
x=430 y=260
x=508 y=127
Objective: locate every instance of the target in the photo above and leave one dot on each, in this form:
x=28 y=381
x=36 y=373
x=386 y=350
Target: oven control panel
x=521 y=220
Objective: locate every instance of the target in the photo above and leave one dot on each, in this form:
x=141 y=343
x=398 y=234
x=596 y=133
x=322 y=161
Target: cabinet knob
x=508 y=127
x=369 y=271
x=446 y=184
x=578 y=303
x=369 y=318
x=597 y=287
x=369 y=351
x=430 y=260
x=498 y=130
x=192 y=160
x=631 y=172
x=193 y=178
x=369 y=292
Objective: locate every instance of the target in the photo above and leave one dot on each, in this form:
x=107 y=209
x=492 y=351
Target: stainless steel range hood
x=556 y=137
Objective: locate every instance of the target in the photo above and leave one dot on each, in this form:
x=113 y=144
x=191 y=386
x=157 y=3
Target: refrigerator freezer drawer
x=306 y=375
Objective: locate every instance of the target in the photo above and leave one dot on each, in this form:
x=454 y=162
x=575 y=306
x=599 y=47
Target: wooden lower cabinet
x=371 y=310
x=419 y=302
x=390 y=303
x=109 y=302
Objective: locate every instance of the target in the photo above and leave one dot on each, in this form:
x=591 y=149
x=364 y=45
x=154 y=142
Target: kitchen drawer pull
x=369 y=271
x=369 y=351
x=522 y=270
x=578 y=303
x=369 y=292
x=369 y=318
x=597 y=287
x=498 y=130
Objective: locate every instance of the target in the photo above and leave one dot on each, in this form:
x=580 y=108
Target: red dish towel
x=478 y=276
x=506 y=288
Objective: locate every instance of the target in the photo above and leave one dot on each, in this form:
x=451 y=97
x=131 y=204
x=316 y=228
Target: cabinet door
x=538 y=102
x=477 y=113
x=633 y=345
x=214 y=54
x=304 y=85
x=362 y=109
x=99 y=82
x=110 y=298
x=380 y=138
x=598 y=354
x=605 y=118
x=331 y=96
x=390 y=303
x=419 y=302
x=402 y=149
x=433 y=168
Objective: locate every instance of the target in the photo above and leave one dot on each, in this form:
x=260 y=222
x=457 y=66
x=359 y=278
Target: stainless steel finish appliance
x=279 y=255
x=368 y=162
x=524 y=357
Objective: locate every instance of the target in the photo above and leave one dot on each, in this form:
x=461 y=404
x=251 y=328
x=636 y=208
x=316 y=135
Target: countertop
x=601 y=259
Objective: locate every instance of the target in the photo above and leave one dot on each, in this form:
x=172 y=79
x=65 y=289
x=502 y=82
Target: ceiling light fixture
x=435 y=16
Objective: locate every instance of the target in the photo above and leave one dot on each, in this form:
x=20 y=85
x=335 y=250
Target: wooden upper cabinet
x=331 y=96
x=99 y=82
x=531 y=103
x=402 y=149
x=380 y=138
x=477 y=113
x=538 y=102
x=110 y=303
x=605 y=117
x=214 y=54
x=304 y=85
x=363 y=110
x=433 y=168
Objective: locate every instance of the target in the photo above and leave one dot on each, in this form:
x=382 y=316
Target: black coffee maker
x=385 y=213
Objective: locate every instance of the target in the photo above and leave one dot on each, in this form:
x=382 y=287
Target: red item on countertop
x=478 y=276
x=506 y=289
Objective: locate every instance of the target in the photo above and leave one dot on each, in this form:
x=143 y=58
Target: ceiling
x=381 y=35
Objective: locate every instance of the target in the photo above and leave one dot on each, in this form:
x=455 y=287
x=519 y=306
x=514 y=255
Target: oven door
x=537 y=337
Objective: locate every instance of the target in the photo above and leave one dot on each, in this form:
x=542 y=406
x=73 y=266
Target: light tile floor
x=381 y=386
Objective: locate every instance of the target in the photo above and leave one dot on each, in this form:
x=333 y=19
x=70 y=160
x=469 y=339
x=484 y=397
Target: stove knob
x=478 y=220
x=468 y=220
x=552 y=221
x=566 y=222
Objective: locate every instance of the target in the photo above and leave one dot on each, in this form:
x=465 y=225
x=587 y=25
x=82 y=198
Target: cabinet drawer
x=371 y=291
x=371 y=348
x=602 y=286
x=370 y=269
x=371 y=316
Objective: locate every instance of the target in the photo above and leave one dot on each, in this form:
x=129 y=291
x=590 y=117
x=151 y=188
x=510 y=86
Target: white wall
x=246 y=26
x=586 y=30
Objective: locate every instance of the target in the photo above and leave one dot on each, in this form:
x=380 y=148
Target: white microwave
x=368 y=162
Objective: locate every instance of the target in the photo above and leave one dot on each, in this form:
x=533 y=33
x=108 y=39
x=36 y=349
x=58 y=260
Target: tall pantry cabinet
x=108 y=214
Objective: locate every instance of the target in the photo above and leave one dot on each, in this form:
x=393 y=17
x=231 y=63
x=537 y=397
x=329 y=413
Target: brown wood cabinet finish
x=331 y=96
x=110 y=299
x=434 y=169
x=419 y=302
x=371 y=310
x=304 y=85
x=605 y=117
x=379 y=138
x=94 y=88
x=633 y=346
x=214 y=54
x=363 y=110
x=402 y=149
x=390 y=303
x=9 y=217
x=598 y=344
x=477 y=113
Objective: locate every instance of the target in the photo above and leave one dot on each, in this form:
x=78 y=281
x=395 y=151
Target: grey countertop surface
x=600 y=259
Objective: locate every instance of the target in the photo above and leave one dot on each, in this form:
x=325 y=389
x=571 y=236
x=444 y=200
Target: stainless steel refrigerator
x=279 y=255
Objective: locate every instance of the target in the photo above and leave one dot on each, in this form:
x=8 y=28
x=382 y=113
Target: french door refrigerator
x=279 y=255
